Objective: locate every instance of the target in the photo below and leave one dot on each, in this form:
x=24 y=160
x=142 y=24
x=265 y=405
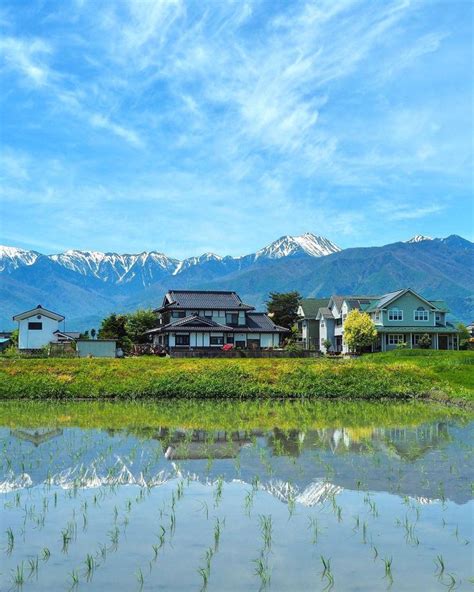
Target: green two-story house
x=308 y=325
x=400 y=317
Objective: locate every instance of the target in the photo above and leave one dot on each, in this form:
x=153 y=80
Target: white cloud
x=27 y=56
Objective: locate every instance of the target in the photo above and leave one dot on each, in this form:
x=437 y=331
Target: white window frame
x=377 y=316
x=395 y=338
x=421 y=311
x=392 y=311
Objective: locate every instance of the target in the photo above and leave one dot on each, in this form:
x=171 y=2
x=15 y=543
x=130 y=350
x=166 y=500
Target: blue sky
x=188 y=127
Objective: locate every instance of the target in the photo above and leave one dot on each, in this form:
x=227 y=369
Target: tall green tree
x=113 y=327
x=138 y=322
x=283 y=308
x=359 y=330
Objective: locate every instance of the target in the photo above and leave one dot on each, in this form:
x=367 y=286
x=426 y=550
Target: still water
x=169 y=508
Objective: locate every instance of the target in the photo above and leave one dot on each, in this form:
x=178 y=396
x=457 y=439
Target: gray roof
x=203 y=300
x=325 y=312
x=387 y=297
x=260 y=321
x=257 y=322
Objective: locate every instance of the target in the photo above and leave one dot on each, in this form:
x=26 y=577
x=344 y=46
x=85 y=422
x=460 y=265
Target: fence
x=243 y=353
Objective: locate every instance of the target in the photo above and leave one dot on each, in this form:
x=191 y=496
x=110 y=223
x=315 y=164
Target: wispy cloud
x=239 y=119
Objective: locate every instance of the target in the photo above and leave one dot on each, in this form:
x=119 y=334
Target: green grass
x=398 y=375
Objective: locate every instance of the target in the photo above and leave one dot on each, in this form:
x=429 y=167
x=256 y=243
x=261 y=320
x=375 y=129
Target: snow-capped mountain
x=147 y=267
x=12 y=258
x=85 y=286
x=193 y=261
x=309 y=244
x=112 y=267
x=419 y=238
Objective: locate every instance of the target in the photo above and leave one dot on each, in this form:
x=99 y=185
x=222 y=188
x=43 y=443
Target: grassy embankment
x=397 y=375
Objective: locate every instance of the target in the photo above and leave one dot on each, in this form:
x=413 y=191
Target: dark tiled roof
x=191 y=323
x=203 y=300
x=260 y=321
x=311 y=306
x=257 y=322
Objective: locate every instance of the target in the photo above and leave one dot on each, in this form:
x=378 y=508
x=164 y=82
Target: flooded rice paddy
x=175 y=508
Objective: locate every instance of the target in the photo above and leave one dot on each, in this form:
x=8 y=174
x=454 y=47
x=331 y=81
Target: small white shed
x=37 y=327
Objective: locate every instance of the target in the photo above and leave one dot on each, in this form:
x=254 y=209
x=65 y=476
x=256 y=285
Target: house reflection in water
x=199 y=444
x=37 y=437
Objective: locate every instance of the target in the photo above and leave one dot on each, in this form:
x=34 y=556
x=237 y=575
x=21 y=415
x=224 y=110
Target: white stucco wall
x=34 y=339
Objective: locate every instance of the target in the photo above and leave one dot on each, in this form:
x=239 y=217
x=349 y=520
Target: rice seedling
x=388 y=569
x=33 y=565
x=45 y=554
x=262 y=570
x=19 y=575
x=203 y=572
x=74 y=579
x=140 y=578
x=439 y=562
x=266 y=528
x=10 y=540
x=313 y=526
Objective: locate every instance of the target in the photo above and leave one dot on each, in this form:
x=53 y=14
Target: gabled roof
x=354 y=301
x=192 y=322
x=387 y=299
x=39 y=310
x=310 y=306
x=70 y=335
x=202 y=300
x=324 y=312
x=440 y=305
x=256 y=322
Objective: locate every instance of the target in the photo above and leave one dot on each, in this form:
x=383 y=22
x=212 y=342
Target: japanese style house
x=205 y=319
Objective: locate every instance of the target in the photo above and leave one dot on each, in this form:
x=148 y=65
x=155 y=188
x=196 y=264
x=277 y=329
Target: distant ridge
x=87 y=285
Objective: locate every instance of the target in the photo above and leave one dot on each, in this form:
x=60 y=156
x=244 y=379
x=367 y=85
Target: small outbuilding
x=96 y=348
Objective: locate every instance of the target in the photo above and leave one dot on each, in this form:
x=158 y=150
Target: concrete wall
x=34 y=339
x=96 y=348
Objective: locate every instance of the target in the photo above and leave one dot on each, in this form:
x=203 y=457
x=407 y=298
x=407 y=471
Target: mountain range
x=86 y=285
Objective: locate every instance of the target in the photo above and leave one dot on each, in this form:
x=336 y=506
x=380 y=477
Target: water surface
x=181 y=508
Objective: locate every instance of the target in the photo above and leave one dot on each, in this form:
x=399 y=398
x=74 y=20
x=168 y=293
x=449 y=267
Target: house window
x=230 y=338
x=417 y=337
x=377 y=316
x=395 y=339
x=232 y=318
x=216 y=340
x=178 y=314
x=420 y=314
x=322 y=323
x=438 y=317
x=182 y=340
x=395 y=314
x=208 y=314
x=35 y=326
x=240 y=343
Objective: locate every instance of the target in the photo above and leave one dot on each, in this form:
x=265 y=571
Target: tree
x=425 y=341
x=359 y=330
x=282 y=307
x=113 y=327
x=84 y=335
x=464 y=336
x=138 y=322
x=93 y=333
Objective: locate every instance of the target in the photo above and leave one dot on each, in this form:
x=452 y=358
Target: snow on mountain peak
x=308 y=243
x=12 y=258
x=419 y=238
